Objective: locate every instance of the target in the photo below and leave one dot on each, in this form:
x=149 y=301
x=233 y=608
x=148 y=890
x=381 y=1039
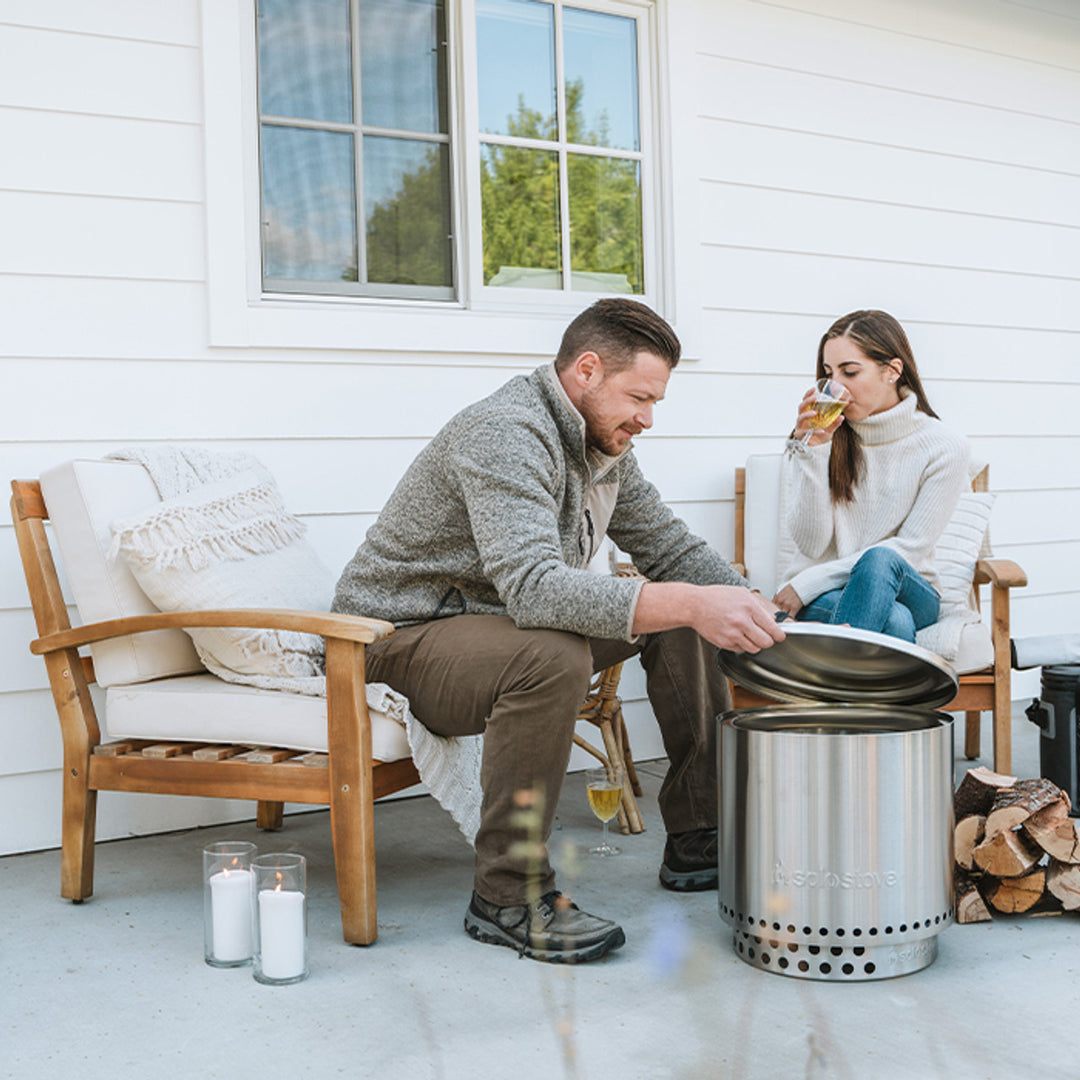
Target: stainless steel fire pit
x=836 y=821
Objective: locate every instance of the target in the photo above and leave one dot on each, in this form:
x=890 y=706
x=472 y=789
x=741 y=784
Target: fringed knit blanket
x=254 y=522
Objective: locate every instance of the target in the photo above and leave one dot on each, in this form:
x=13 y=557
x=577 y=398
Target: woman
x=869 y=495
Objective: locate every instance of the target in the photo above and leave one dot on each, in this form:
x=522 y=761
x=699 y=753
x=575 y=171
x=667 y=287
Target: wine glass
x=829 y=401
x=604 y=788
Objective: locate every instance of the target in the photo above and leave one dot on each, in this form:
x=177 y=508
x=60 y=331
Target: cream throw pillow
x=232 y=544
x=959 y=547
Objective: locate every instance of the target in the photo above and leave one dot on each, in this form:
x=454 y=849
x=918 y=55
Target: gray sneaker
x=551 y=929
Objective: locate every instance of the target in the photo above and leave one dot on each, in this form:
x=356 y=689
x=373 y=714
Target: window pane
x=515 y=46
x=304 y=61
x=308 y=211
x=519 y=192
x=403 y=64
x=407 y=206
x=600 y=65
x=605 y=224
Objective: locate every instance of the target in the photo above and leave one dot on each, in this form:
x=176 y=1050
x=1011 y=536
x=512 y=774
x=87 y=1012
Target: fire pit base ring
x=851 y=963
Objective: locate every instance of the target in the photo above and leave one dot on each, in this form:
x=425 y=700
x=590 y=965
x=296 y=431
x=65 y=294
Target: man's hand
x=728 y=616
x=787 y=599
x=737 y=619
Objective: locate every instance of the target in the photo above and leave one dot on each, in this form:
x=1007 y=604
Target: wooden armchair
x=346 y=777
x=986 y=688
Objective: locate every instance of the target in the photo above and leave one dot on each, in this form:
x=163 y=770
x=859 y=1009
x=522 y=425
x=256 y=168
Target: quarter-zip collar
x=571 y=423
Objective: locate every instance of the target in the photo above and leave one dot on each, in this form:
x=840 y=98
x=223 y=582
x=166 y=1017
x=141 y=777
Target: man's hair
x=617 y=329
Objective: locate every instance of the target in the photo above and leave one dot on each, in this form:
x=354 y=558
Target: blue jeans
x=883 y=593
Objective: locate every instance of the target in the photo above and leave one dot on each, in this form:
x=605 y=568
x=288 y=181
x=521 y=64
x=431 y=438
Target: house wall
x=827 y=155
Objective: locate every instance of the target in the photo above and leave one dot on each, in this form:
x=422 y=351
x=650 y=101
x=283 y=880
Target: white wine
x=604 y=799
x=826 y=412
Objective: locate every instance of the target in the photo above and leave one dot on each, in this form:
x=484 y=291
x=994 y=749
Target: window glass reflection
x=304 y=61
x=402 y=62
x=605 y=224
x=308 y=211
x=515 y=45
x=600 y=68
x=519 y=192
x=407 y=209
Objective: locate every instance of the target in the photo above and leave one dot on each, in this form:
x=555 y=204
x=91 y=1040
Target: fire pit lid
x=819 y=662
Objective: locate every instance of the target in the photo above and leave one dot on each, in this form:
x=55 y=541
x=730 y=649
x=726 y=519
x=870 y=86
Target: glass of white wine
x=604 y=788
x=829 y=400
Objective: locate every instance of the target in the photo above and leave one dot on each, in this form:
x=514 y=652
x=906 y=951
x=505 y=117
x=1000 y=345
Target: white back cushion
x=83 y=498
x=762 y=520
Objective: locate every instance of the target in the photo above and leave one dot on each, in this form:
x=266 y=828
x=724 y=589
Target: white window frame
x=482 y=320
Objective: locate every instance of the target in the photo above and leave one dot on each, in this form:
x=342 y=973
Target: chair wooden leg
x=269 y=816
x=352 y=804
x=972 y=734
x=628 y=756
x=77 y=836
x=1002 y=682
x=634 y=820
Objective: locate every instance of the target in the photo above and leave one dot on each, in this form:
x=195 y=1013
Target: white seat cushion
x=83 y=498
x=203 y=708
x=976 y=649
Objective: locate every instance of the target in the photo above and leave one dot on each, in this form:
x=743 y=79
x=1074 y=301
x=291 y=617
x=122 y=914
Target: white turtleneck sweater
x=914 y=471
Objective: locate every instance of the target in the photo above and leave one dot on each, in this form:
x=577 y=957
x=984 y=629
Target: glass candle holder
x=228 y=903
x=280 y=918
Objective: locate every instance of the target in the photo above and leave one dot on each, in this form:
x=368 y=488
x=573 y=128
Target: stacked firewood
x=1017 y=848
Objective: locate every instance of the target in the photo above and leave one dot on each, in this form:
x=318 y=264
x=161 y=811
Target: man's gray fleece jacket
x=499 y=515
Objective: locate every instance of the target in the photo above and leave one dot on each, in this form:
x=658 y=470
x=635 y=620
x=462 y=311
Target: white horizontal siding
x=843 y=153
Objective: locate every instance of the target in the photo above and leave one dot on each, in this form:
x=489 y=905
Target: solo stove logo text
x=831 y=879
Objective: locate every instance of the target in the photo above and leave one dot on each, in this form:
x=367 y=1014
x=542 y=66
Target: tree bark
x=1056 y=833
x=976 y=792
x=1013 y=806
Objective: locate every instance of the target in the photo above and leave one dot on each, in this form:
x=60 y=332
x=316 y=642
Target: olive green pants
x=522 y=689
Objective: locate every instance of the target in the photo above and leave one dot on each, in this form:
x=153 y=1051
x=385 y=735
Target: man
x=479 y=559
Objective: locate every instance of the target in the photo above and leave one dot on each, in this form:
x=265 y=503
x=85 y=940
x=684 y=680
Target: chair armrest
x=325 y=624
x=1001 y=573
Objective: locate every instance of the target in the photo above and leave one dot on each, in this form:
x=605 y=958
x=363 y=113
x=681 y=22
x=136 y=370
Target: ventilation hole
x=825 y=969
x=937 y=919
x=836 y=951
x=774 y=944
x=857 y=932
x=803 y=965
x=750 y=920
x=848 y=969
x=859 y=950
x=807 y=931
x=776 y=926
x=762 y=923
x=764 y=957
x=814 y=949
x=757 y=940
x=751 y=954
x=740 y=946
x=790 y=929
x=903 y=927
x=873 y=931
x=840 y=932
x=783 y=962
x=869 y=968
x=792 y=947
x=888 y=929
x=823 y=932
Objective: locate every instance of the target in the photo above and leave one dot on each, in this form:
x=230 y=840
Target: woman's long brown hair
x=880 y=338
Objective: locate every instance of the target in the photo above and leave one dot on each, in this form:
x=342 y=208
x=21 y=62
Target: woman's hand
x=787 y=599
x=818 y=436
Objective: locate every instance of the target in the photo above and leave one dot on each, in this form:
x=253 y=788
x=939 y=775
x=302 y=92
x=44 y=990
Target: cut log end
x=1017 y=894
x=977 y=791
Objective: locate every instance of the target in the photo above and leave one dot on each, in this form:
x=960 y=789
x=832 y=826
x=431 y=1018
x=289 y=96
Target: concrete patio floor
x=117 y=987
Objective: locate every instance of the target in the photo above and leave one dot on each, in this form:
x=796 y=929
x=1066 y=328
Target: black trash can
x=1056 y=715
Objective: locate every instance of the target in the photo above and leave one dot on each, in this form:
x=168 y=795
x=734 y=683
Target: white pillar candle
x=230 y=900
x=281 y=933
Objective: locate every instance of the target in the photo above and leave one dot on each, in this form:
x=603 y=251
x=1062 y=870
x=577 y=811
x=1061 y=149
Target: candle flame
x=277 y=888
